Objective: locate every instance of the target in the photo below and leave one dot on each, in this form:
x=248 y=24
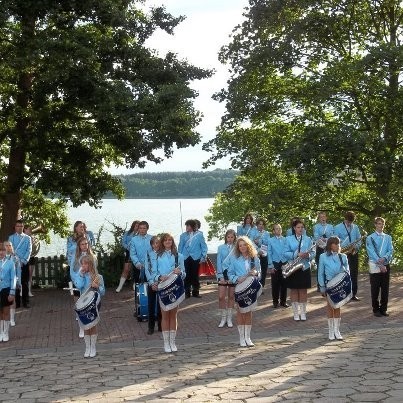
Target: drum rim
x=341 y=275
x=246 y=282
x=83 y=296
x=167 y=282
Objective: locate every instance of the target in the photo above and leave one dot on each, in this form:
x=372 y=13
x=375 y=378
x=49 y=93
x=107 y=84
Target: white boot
x=30 y=289
x=248 y=341
x=303 y=311
x=81 y=331
x=229 y=317
x=6 y=326
x=93 y=347
x=337 y=329
x=167 y=346
x=87 y=340
x=12 y=317
x=172 y=337
x=330 y=321
x=295 y=310
x=1 y=330
x=223 y=318
x=241 y=330
x=121 y=284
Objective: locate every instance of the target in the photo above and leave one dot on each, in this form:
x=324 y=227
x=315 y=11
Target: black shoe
x=275 y=305
x=377 y=314
x=355 y=298
x=187 y=294
x=384 y=314
x=284 y=305
x=150 y=331
x=196 y=295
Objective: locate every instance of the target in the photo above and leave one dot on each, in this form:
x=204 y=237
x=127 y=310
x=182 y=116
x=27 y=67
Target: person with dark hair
x=139 y=248
x=78 y=231
x=380 y=254
x=22 y=248
x=350 y=240
x=332 y=263
x=290 y=231
x=193 y=247
x=247 y=228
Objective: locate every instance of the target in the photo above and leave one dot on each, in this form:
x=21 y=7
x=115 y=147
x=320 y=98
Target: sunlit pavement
x=291 y=361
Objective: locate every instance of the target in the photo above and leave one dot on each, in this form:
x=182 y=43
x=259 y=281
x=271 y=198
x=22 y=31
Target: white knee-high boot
x=295 y=310
x=248 y=341
x=121 y=284
x=303 y=310
x=330 y=322
x=241 y=330
x=223 y=317
x=172 y=337
x=337 y=329
x=87 y=340
x=6 y=326
x=1 y=330
x=30 y=289
x=93 y=348
x=167 y=346
x=229 y=317
x=12 y=317
x=80 y=330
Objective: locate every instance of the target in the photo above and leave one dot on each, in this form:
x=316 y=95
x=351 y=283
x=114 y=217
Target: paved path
x=291 y=361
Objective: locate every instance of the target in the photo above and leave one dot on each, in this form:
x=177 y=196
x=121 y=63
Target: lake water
x=163 y=215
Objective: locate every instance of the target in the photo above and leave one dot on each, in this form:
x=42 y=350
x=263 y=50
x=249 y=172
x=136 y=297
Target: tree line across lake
x=176 y=184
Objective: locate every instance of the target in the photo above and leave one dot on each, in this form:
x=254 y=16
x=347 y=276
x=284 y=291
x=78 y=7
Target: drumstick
x=70 y=288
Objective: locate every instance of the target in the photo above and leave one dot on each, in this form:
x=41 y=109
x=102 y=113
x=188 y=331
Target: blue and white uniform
x=241 y=266
x=246 y=230
x=223 y=253
x=193 y=244
x=330 y=266
x=8 y=277
x=379 y=245
x=83 y=281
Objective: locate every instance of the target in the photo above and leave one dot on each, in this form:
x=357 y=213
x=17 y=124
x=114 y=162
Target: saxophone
x=350 y=248
x=293 y=265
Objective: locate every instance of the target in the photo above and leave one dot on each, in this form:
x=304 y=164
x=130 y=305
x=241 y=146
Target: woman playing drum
x=332 y=263
x=225 y=287
x=84 y=279
x=169 y=262
x=243 y=264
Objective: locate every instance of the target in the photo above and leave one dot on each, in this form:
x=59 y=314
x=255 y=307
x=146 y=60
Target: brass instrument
x=350 y=248
x=41 y=228
x=293 y=265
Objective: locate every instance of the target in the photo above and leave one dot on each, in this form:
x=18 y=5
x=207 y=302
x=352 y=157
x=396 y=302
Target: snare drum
x=171 y=292
x=87 y=309
x=247 y=293
x=338 y=290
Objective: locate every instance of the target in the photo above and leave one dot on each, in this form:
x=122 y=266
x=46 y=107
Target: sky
x=198 y=39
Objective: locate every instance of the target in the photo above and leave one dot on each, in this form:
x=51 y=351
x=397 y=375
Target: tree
x=80 y=91
x=315 y=97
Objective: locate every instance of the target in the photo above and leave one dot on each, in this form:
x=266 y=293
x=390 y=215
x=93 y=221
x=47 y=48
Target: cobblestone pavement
x=292 y=361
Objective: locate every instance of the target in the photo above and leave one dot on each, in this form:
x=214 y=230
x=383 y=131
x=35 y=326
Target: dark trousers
x=380 y=281
x=353 y=264
x=22 y=294
x=278 y=285
x=263 y=267
x=192 y=276
x=319 y=251
x=153 y=304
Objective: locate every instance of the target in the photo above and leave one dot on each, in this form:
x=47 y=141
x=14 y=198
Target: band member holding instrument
x=349 y=233
x=127 y=238
x=225 y=287
x=193 y=247
x=261 y=240
x=322 y=230
x=10 y=255
x=22 y=248
x=299 y=246
x=380 y=253
x=243 y=263
x=139 y=247
x=247 y=228
x=276 y=248
x=8 y=280
x=331 y=263
x=168 y=261
x=87 y=277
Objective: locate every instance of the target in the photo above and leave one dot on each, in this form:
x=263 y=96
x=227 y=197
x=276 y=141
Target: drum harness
x=341 y=266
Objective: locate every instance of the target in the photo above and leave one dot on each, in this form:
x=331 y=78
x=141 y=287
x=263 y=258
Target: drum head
x=85 y=299
x=163 y=284
x=244 y=285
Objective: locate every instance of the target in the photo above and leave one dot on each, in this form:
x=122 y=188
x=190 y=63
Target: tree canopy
x=80 y=91
x=314 y=111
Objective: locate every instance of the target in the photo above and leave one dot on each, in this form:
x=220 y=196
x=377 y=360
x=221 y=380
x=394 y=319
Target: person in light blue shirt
x=261 y=240
x=169 y=261
x=226 y=289
x=332 y=263
x=88 y=278
x=349 y=234
x=275 y=253
x=126 y=240
x=22 y=248
x=299 y=247
x=247 y=228
x=242 y=264
x=193 y=247
x=380 y=253
x=90 y=235
x=290 y=231
x=78 y=231
x=8 y=281
x=139 y=248
x=11 y=256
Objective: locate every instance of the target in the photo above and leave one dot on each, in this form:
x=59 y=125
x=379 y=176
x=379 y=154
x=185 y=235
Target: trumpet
x=40 y=228
x=350 y=248
x=293 y=265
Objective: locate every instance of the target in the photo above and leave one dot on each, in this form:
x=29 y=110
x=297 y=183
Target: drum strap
x=348 y=233
x=341 y=265
x=375 y=247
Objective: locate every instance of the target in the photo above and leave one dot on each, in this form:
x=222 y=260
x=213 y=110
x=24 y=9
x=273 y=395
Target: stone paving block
x=367 y=397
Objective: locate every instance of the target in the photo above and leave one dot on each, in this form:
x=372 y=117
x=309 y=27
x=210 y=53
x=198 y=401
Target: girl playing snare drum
x=244 y=262
x=89 y=278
